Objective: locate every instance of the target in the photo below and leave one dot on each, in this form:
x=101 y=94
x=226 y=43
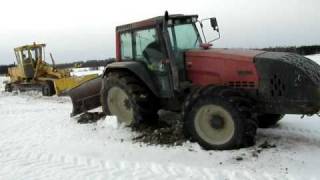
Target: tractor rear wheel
x=48 y=89
x=268 y=120
x=220 y=122
x=124 y=96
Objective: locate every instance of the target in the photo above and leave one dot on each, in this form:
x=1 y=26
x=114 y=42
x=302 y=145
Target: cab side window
x=147 y=46
x=126 y=46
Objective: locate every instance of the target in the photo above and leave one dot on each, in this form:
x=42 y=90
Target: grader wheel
x=8 y=88
x=48 y=89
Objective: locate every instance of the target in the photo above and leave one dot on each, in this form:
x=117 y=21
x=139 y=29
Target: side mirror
x=214 y=24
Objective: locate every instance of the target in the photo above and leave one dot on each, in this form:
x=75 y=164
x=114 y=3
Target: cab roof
x=151 y=22
x=29 y=46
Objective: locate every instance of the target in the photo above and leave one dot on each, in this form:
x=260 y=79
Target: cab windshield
x=184 y=37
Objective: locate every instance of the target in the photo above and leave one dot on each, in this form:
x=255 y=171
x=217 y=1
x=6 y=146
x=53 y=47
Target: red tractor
x=223 y=94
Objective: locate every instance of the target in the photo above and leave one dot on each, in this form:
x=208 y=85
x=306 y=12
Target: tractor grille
x=277 y=86
x=242 y=84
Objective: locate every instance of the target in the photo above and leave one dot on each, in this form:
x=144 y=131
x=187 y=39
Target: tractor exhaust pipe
x=86 y=96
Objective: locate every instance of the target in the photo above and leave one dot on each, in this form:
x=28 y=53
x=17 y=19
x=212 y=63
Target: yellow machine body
x=31 y=69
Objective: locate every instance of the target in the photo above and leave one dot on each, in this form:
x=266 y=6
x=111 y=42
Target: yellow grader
x=32 y=72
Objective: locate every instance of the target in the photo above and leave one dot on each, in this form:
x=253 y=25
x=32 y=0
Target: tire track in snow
x=292 y=134
x=304 y=131
x=42 y=165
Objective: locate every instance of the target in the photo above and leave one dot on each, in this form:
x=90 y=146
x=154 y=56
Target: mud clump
x=87 y=117
x=258 y=150
x=168 y=130
x=267 y=145
x=239 y=158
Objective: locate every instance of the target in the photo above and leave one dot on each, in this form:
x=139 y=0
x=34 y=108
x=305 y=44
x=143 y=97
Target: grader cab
x=32 y=72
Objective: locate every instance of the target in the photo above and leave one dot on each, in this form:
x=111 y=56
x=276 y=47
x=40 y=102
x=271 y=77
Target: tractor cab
x=28 y=57
x=160 y=43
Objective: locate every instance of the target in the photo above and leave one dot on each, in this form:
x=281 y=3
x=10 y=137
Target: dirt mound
x=167 y=131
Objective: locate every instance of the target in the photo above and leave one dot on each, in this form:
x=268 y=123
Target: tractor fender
x=139 y=69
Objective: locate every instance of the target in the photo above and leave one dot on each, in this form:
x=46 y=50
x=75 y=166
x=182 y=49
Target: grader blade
x=86 y=96
x=63 y=85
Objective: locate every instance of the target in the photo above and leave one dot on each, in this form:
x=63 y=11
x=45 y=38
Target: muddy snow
x=39 y=140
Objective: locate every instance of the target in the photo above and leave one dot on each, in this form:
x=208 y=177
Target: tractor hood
x=223 y=67
x=288 y=83
x=230 y=54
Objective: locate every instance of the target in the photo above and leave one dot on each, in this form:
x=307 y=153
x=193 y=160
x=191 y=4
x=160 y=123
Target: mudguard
x=87 y=96
x=137 y=68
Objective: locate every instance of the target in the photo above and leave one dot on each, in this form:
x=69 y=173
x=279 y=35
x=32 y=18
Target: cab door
x=26 y=61
x=145 y=46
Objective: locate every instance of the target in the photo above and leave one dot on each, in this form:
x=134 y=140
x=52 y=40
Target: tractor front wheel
x=220 y=122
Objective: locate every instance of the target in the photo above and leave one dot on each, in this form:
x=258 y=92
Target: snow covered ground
x=87 y=71
x=315 y=57
x=39 y=140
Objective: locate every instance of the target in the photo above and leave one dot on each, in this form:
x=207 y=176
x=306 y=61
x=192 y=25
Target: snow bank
x=87 y=71
x=315 y=57
x=2 y=80
x=109 y=121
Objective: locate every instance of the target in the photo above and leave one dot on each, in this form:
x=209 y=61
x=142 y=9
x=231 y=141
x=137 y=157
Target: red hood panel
x=227 y=67
x=231 y=54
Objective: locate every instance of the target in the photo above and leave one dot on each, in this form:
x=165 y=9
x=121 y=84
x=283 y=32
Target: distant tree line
x=302 y=50
x=88 y=63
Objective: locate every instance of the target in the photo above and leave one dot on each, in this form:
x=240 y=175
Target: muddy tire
x=268 y=120
x=124 y=96
x=48 y=89
x=218 y=121
x=8 y=88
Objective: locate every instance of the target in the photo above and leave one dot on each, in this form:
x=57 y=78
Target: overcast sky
x=84 y=29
